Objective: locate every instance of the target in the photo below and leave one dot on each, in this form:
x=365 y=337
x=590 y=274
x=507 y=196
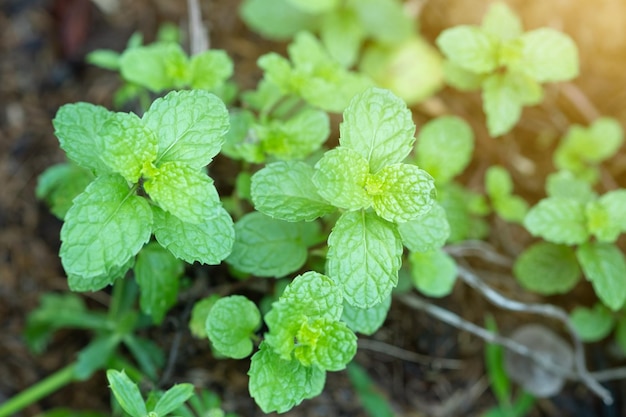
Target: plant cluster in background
x=340 y=220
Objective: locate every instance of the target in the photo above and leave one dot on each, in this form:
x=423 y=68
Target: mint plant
x=365 y=178
x=164 y=154
x=507 y=64
x=164 y=65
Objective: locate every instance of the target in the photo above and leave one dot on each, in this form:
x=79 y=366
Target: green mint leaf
x=548 y=56
x=60 y=184
x=319 y=6
x=379 y=126
x=190 y=127
x=296 y=137
x=427 y=232
x=125 y=144
x=433 y=273
x=199 y=314
x=104 y=58
x=157 y=273
x=96 y=355
x=82 y=283
x=366 y=320
x=208 y=242
x=401 y=192
x=173 y=398
x=564 y=184
x=604 y=265
x=501 y=22
x=498 y=182
x=592 y=324
x=159 y=66
x=385 y=20
x=463 y=209
x=107 y=225
x=326 y=344
x=511 y=208
x=547 y=268
x=126 y=393
x=210 y=69
x=309 y=297
x=341 y=176
x=268 y=247
x=279 y=385
x=232 y=337
x=501 y=104
x=460 y=78
x=470 y=48
x=364 y=256
x=185 y=192
x=591 y=145
x=613 y=204
x=342 y=34
x=439 y=135
x=77 y=126
x=558 y=220
x=285 y=190
x=276 y=19
x=241 y=142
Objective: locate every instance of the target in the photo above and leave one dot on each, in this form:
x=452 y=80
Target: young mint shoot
x=165 y=151
x=228 y=338
x=366 y=178
x=506 y=63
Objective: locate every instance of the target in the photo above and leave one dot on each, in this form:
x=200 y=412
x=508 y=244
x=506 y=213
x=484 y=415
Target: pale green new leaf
x=614 y=203
x=501 y=104
x=107 y=225
x=549 y=56
x=364 y=256
x=600 y=224
x=210 y=69
x=498 y=182
x=427 y=232
x=386 y=21
x=340 y=178
x=564 y=184
x=77 y=126
x=268 y=247
x=379 y=126
x=547 y=268
x=463 y=210
x=296 y=137
x=593 y=144
x=173 y=398
x=190 y=127
x=157 y=273
x=187 y=193
x=366 y=320
x=208 y=242
x=125 y=144
x=592 y=324
x=501 y=22
x=104 y=58
x=469 y=47
x=433 y=273
x=159 y=66
x=60 y=184
x=278 y=385
x=444 y=147
x=231 y=323
x=126 y=393
x=342 y=34
x=285 y=190
x=401 y=192
x=558 y=220
x=315 y=294
x=605 y=266
x=276 y=19
x=325 y=343
x=460 y=78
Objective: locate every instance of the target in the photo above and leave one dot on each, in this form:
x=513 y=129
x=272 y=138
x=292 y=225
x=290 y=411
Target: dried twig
x=546 y=310
x=408 y=356
x=198 y=34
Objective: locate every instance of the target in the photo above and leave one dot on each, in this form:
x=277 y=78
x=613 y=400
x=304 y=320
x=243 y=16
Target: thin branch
x=479 y=249
x=198 y=34
x=408 y=356
x=546 y=310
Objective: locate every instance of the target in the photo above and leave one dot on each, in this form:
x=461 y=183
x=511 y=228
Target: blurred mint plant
x=507 y=64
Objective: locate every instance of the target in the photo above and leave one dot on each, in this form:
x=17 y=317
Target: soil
x=42 y=49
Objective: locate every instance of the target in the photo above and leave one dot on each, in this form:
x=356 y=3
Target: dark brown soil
x=42 y=46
